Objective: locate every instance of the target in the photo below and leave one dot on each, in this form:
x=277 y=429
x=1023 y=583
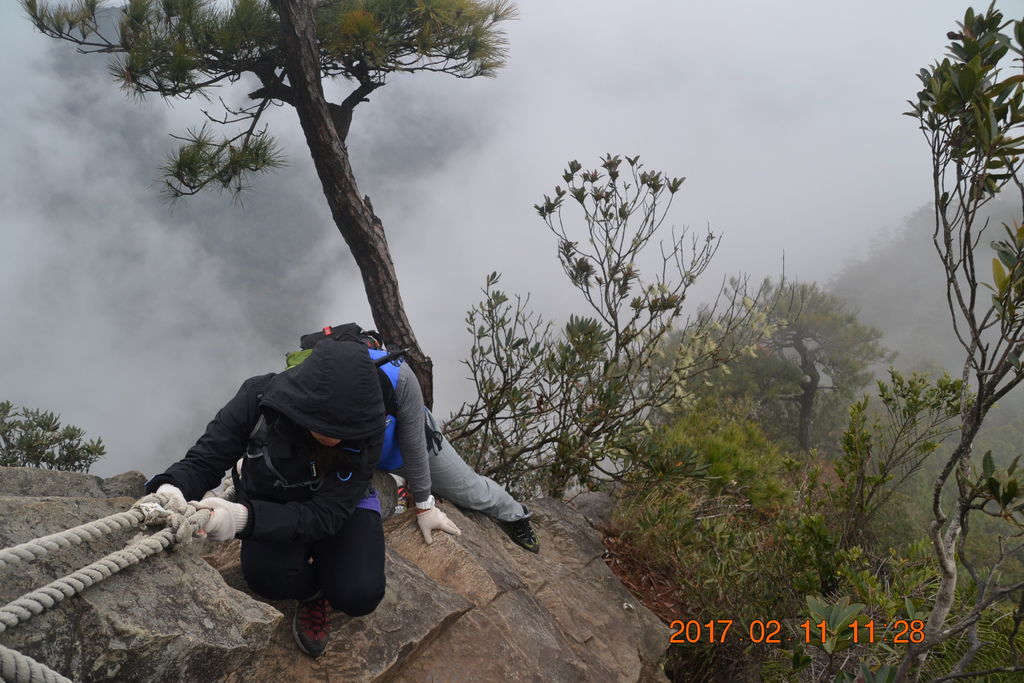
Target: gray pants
x=454 y=480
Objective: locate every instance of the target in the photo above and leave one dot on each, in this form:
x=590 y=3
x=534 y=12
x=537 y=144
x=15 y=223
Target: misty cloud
x=136 y=320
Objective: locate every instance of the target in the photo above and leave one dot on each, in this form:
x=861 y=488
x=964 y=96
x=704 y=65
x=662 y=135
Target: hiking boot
x=311 y=626
x=522 y=534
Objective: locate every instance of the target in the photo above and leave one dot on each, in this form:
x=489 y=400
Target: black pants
x=348 y=567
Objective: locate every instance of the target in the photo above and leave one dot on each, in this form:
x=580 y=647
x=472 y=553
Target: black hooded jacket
x=335 y=392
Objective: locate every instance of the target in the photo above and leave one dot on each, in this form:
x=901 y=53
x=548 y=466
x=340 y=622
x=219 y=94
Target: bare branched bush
x=570 y=407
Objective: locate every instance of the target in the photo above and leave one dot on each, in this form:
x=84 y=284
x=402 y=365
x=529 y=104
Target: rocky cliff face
x=473 y=608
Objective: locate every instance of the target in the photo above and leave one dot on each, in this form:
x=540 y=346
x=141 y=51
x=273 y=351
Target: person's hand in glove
x=175 y=498
x=226 y=518
x=430 y=519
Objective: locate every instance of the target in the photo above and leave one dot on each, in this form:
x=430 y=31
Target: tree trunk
x=944 y=544
x=352 y=213
x=809 y=390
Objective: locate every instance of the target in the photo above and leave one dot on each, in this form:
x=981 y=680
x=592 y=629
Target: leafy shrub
x=563 y=406
x=35 y=438
x=739 y=458
x=731 y=532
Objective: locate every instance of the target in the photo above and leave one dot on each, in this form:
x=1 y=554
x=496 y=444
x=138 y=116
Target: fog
x=136 y=319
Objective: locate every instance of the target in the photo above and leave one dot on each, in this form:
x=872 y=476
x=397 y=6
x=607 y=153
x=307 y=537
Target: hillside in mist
x=899 y=288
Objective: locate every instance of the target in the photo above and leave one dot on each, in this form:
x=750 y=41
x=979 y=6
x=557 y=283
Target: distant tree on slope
x=804 y=373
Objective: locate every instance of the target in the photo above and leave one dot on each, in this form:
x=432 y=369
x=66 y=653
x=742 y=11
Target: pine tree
x=184 y=48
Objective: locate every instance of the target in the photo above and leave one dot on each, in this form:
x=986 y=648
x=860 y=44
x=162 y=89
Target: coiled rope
x=149 y=510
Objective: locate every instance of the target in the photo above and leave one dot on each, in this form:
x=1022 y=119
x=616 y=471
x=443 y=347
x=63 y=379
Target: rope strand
x=149 y=510
x=34 y=549
x=15 y=666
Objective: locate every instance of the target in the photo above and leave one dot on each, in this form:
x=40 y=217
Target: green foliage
x=969 y=112
x=837 y=617
x=228 y=162
x=384 y=36
x=622 y=213
x=737 y=456
x=184 y=48
x=882 y=673
x=882 y=451
x=1008 y=283
x=998 y=492
x=887 y=588
x=1003 y=642
x=558 y=407
x=972 y=119
x=35 y=438
x=735 y=546
x=895 y=585
x=814 y=549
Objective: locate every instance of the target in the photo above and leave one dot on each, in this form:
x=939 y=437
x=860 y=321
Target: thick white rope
x=179 y=529
x=149 y=510
x=15 y=666
x=39 y=547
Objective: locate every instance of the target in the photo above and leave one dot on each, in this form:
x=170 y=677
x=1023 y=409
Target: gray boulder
x=596 y=507
x=170 y=617
x=557 y=616
x=476 y=607
x=32 y=481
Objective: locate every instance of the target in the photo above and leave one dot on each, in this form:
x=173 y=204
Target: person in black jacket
x=309 y=521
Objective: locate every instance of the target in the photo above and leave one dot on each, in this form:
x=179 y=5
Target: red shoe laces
x=313 y=617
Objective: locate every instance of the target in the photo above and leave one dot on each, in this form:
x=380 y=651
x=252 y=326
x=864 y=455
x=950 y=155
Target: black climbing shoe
x=311 y=626
x=522 y=534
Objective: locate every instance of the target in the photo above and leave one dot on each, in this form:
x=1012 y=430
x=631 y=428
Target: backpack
x=350 y=332
x=346 y=332
x=373 y=340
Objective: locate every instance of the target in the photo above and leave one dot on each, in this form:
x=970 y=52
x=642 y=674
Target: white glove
x=226 y=518
x=175 y=498
x=430 y=519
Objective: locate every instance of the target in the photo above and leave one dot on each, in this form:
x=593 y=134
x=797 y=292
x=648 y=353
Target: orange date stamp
x=771 y=632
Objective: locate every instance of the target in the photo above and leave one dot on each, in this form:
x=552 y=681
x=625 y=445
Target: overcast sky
x=137 y=321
